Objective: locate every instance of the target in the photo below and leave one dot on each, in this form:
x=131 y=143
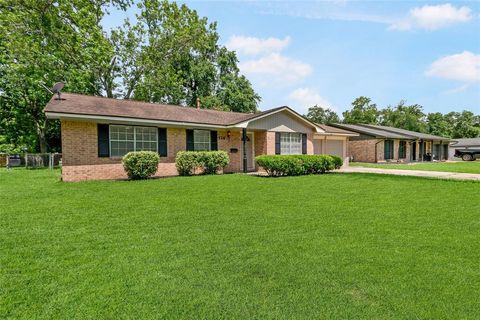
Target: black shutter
x=190 y=145
x=304 y=143
x=277 y=142
x=103 y=135
x=213 y=140
x=162 y=142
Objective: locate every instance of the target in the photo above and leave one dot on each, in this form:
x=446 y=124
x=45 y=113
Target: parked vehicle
x=467 y=154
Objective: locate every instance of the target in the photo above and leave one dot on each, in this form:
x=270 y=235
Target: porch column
x=440 y=147
x=244 y=140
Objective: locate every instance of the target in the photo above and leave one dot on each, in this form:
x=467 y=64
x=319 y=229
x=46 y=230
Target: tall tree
x=322 y=115
x=43 y=42
x=465 y=124
x=438 y=124
x=404 y=117
x=171 y=55
x=363 y=111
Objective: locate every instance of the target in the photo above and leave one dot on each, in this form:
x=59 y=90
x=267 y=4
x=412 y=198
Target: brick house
x=96 y=132
x=387 y=144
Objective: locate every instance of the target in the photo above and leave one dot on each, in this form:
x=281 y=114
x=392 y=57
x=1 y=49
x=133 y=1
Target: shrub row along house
x=381 y=143
x=97 y=132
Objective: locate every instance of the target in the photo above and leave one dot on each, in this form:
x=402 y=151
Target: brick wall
x=362 y=150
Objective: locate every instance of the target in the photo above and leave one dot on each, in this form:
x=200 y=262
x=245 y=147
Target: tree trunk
x=41 y=134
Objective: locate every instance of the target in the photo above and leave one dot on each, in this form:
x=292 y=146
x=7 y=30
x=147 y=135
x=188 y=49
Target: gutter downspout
x=376 y=154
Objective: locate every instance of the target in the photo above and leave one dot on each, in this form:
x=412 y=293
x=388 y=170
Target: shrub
x=208 y=162
x=141 y=164
x=293 y=165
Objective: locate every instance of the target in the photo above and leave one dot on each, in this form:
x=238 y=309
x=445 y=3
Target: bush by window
x=205 y=162
x=294 y=165
x=140 y=165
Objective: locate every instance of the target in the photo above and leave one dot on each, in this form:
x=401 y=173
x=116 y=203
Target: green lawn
x=335 y=246
x=460 y=166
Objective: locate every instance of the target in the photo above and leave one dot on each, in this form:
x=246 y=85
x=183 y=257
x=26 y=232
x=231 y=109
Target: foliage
x=206 y=162
x=322 y=115
x=403 y=116
x=169 y=55
x=140 y=164
x=294 y=165
x=363 y=111
x=463 y=124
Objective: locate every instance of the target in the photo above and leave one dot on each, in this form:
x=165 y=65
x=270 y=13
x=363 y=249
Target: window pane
x=290 y=143
x=145 y=139
x=121 y=140
x=201 y=140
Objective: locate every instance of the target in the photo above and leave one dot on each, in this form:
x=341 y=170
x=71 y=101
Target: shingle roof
x=79 y=104
x=388 y=132
x=466 y=142
x=415 y=134
x=371 y=131
x=331 y=129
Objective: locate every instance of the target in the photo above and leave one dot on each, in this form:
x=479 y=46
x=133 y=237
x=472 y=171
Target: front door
x=249 y=150
x=414 y=150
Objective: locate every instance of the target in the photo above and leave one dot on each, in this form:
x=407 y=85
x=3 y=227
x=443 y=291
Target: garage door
x=335 y=147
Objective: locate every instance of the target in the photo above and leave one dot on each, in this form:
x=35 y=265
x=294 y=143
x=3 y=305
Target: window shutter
x=162 y=142
x=213 y=140
x=190 y=144
x=103 y=135
x=304 y=143
x=277 y=142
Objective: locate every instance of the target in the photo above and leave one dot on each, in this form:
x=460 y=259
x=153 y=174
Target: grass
x=460 y=166
x=334 y=246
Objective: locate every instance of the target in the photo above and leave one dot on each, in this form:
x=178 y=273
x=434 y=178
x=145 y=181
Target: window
x=201 y=140
x=124 y=139
x=290 y=143
x=402 y=150
x=388 y=149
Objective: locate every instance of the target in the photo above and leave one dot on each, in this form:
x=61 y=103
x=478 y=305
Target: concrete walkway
x=414 y=173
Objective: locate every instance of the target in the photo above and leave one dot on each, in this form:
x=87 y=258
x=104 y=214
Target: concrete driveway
x=414 y=173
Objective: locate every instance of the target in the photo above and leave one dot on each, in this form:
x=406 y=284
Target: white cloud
x=464 y=67
x=433 y=17
x=304 y=98
x=254 y=46
x=276 y=68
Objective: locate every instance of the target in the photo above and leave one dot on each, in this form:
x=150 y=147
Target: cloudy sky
x=330 y=52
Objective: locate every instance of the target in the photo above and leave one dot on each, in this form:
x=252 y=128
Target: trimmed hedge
x=295 y=165
x=140 y=164
x=208 y=162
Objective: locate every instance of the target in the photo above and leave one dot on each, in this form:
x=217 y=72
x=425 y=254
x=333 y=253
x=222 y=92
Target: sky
x=328 y=53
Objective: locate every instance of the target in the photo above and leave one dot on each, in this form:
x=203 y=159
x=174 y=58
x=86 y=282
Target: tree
x=404 y=117
x=465 y=124
x=321 y=115
x=171 y=55
x=43 y=42
x=363 y=111
x=438 y=124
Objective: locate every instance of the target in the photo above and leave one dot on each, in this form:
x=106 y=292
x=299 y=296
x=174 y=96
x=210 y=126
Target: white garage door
x=335 y=147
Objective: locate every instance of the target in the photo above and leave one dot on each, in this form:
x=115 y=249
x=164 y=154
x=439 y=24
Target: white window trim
x=134 y=138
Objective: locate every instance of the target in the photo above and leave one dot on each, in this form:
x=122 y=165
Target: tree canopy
x=463 y=124
x=170 y=55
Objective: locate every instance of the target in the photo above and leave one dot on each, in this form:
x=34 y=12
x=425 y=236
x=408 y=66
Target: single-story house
x=387 y=144
x=467 y=143
x=96 y=132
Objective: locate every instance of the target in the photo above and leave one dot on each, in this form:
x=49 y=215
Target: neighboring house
x=471 y=143
x=381 y=143
x=96 y=132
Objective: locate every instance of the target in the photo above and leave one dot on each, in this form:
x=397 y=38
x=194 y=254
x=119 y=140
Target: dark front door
x=414 y=151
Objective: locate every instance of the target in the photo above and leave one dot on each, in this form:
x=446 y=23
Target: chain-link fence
x=31 y=160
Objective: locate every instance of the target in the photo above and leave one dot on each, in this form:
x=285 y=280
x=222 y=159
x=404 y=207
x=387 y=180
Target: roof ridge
x=163 y=104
